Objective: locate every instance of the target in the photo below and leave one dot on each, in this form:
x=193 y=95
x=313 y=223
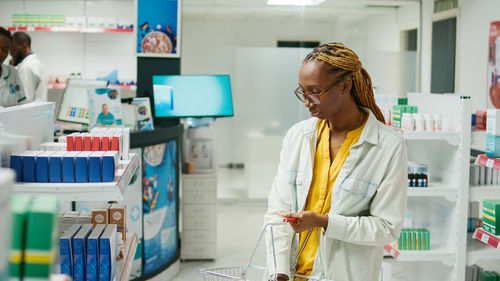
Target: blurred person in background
x=30 y=68
x=11 y=89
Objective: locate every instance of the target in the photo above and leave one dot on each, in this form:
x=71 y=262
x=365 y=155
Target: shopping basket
x=251 y=272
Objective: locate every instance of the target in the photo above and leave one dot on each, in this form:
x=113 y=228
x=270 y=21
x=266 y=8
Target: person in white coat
x=11 y=89
x=30 y=68
x=342 y=176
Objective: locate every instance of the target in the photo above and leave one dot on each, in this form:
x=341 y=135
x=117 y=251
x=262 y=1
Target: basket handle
x=270 y=225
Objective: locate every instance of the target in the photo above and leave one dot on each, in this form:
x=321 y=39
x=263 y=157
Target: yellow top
x=318 y=200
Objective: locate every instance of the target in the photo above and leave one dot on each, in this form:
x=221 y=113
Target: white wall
x=474 y=22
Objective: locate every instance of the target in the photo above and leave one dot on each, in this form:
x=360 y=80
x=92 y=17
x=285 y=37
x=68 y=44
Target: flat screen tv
x=192 y=96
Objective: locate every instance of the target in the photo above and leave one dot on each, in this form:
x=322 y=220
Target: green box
x=18 y=20
x=491 y=216
x=19 y=208
x=42 y=231
x=413 y=109
x=44 y=20
x=57 y=20
x=397 y=114
x=403 y=101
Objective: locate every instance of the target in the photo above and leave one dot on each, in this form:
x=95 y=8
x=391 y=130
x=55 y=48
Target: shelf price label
x=490 y=163
x=485 y=238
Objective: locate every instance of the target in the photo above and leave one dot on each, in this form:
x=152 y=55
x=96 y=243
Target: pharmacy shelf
x=478 y=193
x=444 y=255
x=490 y=162
x=71 y=29
x=98 y=191
x=62 y=86
x=435 y=189
x=452 y=138
x=477 y=251
x=123 y=272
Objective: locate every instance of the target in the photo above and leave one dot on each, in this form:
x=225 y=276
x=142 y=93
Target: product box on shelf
x=491 y=218
x=481 y=120
x=42 y=166
x=107 y=253
x=55 y=167
x=68 y=166
x=100 y=216
x=95 y=166
x=492 y=146
x=109 y=164
x=81 y=166
x=66 y=250
x=93 y=253
x=29 y=165
x=20 y=205
x=117 y=216
x=41 y=237
x=16 y=164
x=80 y=252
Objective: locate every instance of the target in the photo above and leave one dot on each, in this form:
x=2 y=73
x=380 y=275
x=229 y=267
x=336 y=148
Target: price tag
x=489 y=163
x=485 y=238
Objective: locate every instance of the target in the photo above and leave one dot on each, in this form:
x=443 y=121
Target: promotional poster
x=159 y=197
x=144 y=120
x=105 y=108
x=493 y=83
x=158 y=28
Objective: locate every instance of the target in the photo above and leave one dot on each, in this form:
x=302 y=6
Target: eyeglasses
x=314 y=98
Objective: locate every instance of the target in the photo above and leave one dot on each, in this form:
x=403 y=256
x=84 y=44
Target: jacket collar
x=369 y=134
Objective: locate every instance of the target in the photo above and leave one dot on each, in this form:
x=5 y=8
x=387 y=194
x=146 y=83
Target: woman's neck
x=346 y=121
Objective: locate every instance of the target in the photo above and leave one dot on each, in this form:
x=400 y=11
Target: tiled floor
x=238 y=229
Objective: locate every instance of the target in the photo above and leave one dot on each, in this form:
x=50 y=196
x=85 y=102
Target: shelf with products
x=100 y=191
x=70 y=29
x=435 y=189
x=62 y=86
x=487 y=238
x=478 y=250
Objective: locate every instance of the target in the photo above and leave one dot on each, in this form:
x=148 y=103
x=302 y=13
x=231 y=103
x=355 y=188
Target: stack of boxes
x=414 y=239
x=37 y=20
x=398 y=111
x=491 y=216
x=34 y=236
x=67 y=167
x=386 y=103
x=493 y=133
x=88 y=253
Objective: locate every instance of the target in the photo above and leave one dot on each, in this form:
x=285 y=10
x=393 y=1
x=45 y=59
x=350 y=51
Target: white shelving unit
x=481 y=246
x=99 y=191
x=442 y=207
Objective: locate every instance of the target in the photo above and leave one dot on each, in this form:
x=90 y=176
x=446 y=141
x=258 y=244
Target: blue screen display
x=192 y=95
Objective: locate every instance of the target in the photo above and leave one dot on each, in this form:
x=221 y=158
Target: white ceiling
x=329 y=11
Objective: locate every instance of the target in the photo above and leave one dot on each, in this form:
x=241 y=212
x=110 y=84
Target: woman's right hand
x=280 y=277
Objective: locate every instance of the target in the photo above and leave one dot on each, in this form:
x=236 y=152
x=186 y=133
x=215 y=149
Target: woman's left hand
x=306 y=220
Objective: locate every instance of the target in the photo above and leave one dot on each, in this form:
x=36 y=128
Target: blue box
x=80 y=252
x=109 y=163
x=42 y=166
x=93 y=253
x=55 y=166
x=81 y=166
x=16 y=163
x=68 y=166
x=107 y=253
x=29 y=165
x=95 y=168
x=66 y=250
x=492 y=146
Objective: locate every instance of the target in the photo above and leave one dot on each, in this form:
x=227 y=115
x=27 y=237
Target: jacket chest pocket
x=353 y=195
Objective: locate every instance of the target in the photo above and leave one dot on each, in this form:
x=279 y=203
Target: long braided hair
x=340 y=58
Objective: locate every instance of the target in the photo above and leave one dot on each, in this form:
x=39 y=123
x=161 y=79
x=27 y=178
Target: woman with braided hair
x=342 y=176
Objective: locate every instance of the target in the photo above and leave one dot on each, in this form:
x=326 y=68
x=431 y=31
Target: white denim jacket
x=367 y=208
